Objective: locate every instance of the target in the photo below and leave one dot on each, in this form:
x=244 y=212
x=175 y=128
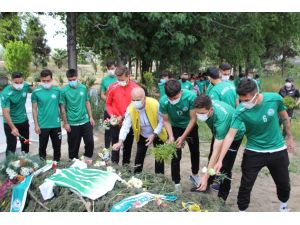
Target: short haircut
x=166 y=73
x=16 y=74
x=213 y=73
x=71 y=73
x=246 y=86
x=46 y=73
x=110 y=63
x=256 y=76
x=122 y=70
x=172 y=88
x=225 y=66
x=203 y=101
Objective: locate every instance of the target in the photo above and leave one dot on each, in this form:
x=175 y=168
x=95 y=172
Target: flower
x=211 y=172
x=25 y=171
x=35 y=165
x=11 y=173
x=105 y=154
x=16 y=163
x=110 y=169
x=135 y=182
x=99 y=163
x=204 y=170
x=114 y=120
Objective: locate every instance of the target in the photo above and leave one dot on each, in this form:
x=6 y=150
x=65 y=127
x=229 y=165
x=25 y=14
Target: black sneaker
x=215 y=186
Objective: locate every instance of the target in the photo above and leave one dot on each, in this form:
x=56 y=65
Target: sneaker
x=195 y=179
x=215 y=186
x=178 y=189
x=284 y=209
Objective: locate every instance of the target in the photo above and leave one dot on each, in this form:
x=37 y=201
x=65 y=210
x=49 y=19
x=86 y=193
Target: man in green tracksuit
x=46 y=115
x=265 y=144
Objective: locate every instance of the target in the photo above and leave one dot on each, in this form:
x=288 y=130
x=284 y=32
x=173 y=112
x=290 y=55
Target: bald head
x=137 y=93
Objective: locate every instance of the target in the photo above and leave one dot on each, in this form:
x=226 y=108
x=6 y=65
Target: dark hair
x=166 y=73
x=172 y=87
x=16 y=74
x=225 y=66
x=246 y=86
x=231 y=77
x=213 y=73
x=46 y=73
x=71 y=73
x=122 y=70
x=241 y=75
x=256 y=76
x=110 y=63
x=202 y=101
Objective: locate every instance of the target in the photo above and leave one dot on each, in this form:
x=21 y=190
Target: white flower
x=204 y=170
x=99 y=163
x=25 y=171
x=135 y=182
x=82 y=158
x=35 y=165
x=16 y=163
x=110 y=169
x=113 y=121
x=11 y=173
x=211 y=172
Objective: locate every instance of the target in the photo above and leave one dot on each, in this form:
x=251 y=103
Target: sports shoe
x=88 y=160
x=215 y=186
x=284 y=209
x=195 y=179
x=178 y=189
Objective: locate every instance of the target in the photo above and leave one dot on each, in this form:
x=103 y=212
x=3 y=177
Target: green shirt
x=201 y=84
x=262 y=124
x=161 y=89
x=223 y=91
x=106 y=81
x=219 y=122
x=48 y=106
x=74 y=100
x=179 y=114
x=187 y=85
x=15 y=101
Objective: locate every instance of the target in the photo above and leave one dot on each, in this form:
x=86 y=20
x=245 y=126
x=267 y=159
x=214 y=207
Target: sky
x=53 y=25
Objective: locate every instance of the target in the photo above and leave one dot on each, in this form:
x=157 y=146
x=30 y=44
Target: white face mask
x=138 y=104
x=250 y=104
x=46 y=85
x=111 y=72
x=18 y=87
x=122 y=83
x=202 y=117
x=225 y=78
x=288 y=85
x=174 y=102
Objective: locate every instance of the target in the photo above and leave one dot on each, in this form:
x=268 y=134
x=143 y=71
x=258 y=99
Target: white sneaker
x=178 y=188
x=284 y=209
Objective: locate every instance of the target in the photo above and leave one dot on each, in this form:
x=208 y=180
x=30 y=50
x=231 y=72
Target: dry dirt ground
x=263 y=197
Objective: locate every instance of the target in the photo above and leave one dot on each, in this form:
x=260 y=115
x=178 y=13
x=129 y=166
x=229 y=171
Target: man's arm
x=168 y=127
x=193 y=120
x=89 y=109
x=124 y=131
x=6 y=115
x=63 y=114
x=34 y=116
x=287 y=126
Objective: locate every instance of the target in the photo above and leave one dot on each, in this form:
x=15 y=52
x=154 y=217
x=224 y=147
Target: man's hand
x=15 y=132
x=203 y=185
x=117 y=146
x=179 y=142
x=67 y=127
x=218 y=167
x=120 y=120
x=290 y=144
x=150 y=139
x=37 y=129
x=170 y=140
x=92 y=121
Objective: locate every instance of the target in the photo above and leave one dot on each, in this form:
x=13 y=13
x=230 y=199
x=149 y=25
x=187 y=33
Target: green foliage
x=35 y=36
x=10 y=28
x=149 y=81
x=17 y=57
x=87 y=79
x=59 y=79
x=164 y=152
x=59 y=57
x=289 y=102
x=98 y=108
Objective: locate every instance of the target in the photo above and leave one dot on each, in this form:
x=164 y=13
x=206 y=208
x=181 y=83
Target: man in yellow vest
x=147 y=124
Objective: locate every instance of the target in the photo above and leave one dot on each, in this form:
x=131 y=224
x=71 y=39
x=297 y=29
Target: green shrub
x=17 y=57
x=148 y=76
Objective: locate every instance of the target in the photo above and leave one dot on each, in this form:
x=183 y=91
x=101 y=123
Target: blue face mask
x=162 y=81
x=73 y=83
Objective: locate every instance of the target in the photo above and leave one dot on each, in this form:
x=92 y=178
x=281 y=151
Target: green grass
x=273 y=83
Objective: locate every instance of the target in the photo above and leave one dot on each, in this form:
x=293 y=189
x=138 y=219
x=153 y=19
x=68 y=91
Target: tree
x=17 y=57
x=59 y=56
x=10 y=28
x=71 y=40
x=35 y=36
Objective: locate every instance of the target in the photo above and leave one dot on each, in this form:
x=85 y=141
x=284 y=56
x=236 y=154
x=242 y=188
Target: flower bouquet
x=211 y=172
x=25 y=141
x=112 y=121
x=164 y=152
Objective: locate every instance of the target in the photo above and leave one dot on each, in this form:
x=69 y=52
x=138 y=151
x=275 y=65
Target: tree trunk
x=145 y=68
x=136 y=68
x=240 y=69
x=71 y=40
x=129 y=65
x=282 y=65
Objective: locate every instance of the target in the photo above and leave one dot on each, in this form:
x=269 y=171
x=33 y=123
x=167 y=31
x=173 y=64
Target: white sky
x=53 y=25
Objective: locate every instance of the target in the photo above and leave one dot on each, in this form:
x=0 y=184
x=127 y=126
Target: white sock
x=283 y=205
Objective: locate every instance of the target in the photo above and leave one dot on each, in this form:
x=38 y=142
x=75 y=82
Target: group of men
x=229 y=112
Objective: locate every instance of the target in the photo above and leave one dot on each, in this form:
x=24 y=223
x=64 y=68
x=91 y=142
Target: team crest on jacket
x=81 y=93
x=271 y=112
x=53 y=96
